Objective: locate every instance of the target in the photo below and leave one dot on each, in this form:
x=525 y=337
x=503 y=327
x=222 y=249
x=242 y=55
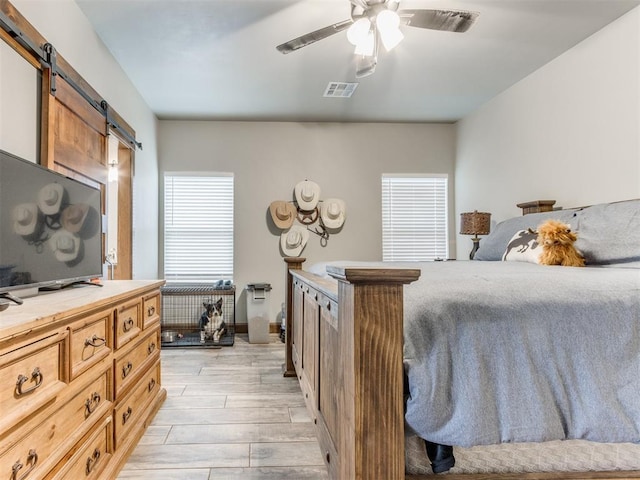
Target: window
x=414 y=217
x=198 y=227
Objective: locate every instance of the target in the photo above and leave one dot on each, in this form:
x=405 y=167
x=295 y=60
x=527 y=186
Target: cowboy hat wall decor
x=65 y=245
x=332 y=213
x=50 y=198
x=307 y=210
x=282 y=213
x=293 y=241
x=307 y=195
x=73 y=217
x=26 y=219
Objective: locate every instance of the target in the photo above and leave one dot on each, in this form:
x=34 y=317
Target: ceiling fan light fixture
x=359 y=31
x=388 y=23
x=367 y=45
x=387 y=20
x=391 y=38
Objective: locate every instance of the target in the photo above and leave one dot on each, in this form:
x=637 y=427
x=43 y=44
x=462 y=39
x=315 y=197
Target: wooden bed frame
x=344 y=342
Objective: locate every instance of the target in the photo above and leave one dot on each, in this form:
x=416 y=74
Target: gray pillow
x=609 y=233
x=495 y=244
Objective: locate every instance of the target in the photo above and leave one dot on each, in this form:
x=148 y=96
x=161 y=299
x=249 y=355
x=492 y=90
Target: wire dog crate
x=182 y=307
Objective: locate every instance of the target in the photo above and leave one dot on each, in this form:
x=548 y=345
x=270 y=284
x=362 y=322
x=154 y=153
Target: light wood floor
x=229 y=413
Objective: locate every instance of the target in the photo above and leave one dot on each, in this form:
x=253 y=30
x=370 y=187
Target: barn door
x=75 y=142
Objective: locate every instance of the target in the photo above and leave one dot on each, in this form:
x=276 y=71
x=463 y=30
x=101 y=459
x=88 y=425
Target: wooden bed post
x=292 y=263
x=371 y=335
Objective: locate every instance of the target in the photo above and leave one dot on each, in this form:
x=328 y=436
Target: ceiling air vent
x=340 y=89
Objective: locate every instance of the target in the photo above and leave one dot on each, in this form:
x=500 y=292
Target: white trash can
x=258 y=303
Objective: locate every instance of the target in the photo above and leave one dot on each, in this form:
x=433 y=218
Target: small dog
x=557 y=242
x=212 y=324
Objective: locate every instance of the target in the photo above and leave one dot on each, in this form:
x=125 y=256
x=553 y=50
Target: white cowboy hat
x=307 y=194
x=65 y=245
x=25 y=218
x=282 y=213
x=333 y=212
x=50 y=198
x=73 y=217
x=294 y=240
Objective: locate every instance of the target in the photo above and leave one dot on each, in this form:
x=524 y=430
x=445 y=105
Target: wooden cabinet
x=90 y=340
x=330 y=384
x=79 y=380
x=315 y=329
x=31 y=375
x=296 y=343
x=310 y=342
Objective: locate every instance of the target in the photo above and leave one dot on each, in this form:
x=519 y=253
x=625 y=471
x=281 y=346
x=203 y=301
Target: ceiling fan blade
x=447 y=20
x=360 y=3
x=313 y=37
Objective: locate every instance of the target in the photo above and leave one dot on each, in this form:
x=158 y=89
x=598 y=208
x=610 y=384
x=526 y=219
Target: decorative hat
x=333 y=212
x=307 y=194
x=73 y=217
x=294 y=240
x=50 y=198
x=282 y=213
x=25 y=218
x=65 y=245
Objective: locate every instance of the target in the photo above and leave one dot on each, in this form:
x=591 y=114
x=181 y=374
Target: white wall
x=268 y=159
x=569 y=132
x=19 y=93
x=64 y=25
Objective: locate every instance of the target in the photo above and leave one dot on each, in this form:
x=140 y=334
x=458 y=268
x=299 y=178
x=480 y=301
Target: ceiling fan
x=377 y=21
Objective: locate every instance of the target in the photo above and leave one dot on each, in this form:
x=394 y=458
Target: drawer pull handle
x=126 y=415
x=32 y=458
x=92 y=403
x=35 y=375
x=126 y=369
x=94 y=341
x=92 y=460
x=152 y=383
x=150 y=311
x=151 y=347
x=127 y=324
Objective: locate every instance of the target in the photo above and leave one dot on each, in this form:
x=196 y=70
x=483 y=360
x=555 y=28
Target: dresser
x=79 y=379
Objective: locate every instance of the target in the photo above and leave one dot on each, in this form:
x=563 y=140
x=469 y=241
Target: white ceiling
x=216 y=59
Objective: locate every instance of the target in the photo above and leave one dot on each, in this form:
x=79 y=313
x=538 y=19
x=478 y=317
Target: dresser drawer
x=129 y=363
x=31 y=377
x=128 y=322
x=90 y=340
x=129 y=410
x=151 y=309
x=42 y=447
x=91 y=456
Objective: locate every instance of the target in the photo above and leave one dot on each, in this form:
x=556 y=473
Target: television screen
x=50 y=227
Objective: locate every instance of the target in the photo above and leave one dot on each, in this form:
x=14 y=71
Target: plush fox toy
x=557 y=242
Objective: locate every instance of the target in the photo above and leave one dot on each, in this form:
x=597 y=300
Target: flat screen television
x=50 y=229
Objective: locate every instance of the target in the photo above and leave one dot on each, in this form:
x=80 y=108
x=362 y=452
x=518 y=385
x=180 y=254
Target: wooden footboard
x=344 y=342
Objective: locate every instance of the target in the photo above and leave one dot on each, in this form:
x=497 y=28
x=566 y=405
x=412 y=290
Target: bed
x=522 y=368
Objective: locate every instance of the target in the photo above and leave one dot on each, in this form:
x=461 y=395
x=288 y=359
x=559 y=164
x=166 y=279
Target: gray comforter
x=515 y=352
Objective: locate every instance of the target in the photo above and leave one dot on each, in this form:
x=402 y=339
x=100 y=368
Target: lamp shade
x=475 y=223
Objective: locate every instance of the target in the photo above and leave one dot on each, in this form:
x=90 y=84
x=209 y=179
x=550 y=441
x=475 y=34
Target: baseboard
x=244 y=328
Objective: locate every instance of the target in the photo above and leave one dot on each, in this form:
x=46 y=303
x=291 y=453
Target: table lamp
x=475 y=223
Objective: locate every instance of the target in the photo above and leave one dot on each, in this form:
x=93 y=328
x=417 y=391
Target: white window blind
x=198 y=227
x=414 y=217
